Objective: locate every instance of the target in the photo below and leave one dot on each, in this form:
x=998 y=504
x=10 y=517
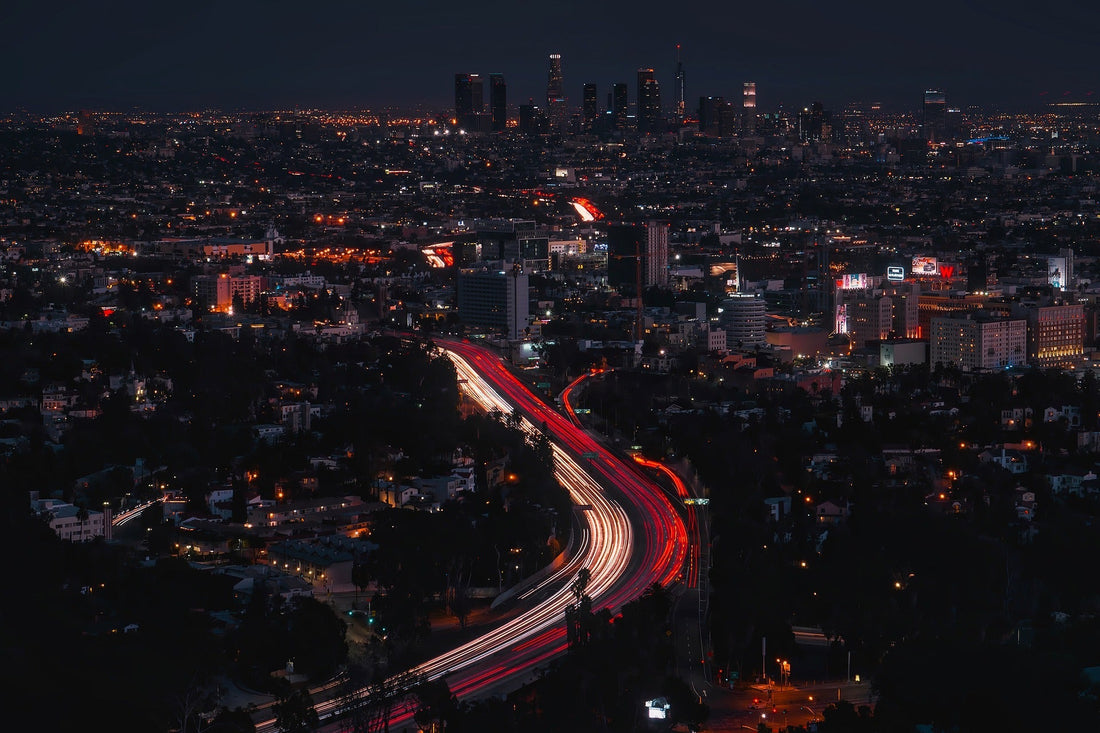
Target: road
x=632 y=536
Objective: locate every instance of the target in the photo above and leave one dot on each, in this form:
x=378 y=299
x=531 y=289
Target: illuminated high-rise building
x=656 y=254
x=619 y=103
x=555 y=94
x=498 y=102
x=495 y=300
x=869 y=317
x=1055 y=333
x=748 y=105
x=935 y=115
x=649 y=102
x=854 y=128
x=973 y=341
x=744 y=317
x=590 y=109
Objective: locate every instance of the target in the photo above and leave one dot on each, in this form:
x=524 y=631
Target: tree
x=316 y=636
x=384 y=694
x=82 y=517
x=294 y=711
x=578 y=616
x=360 y=577
x=152 y=516
x=240 y=501
x=199 y=697
x=434 y=703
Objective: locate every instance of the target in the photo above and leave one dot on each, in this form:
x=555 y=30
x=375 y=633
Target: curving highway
x=632 y=536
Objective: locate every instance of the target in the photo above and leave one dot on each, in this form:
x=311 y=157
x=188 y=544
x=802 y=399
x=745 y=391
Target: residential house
x=830 y=512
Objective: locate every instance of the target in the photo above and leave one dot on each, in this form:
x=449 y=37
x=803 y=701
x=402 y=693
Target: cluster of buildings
x=766 y=247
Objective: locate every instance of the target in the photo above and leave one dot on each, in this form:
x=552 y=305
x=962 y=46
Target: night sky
x=267 y=54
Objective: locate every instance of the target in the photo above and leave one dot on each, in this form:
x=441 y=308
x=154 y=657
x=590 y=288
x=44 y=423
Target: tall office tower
x=619 y=104
x=680 y=108
x=532 y=120
x=953 y=123
x=727 y=119
x=709 y=109
x=935 y=115
x=855 y=130
x=649 y=102
x=815 y=124
x=555 y=94
x=905 y=299
x=496 y=300
x=469 y=96
x=498 y=102
x=748 y=105
x=589 y=108
x=515 y=241
x=1055 y=334
x=869 y=317
x=656 y=254
x=626 y=248
x=637 y=256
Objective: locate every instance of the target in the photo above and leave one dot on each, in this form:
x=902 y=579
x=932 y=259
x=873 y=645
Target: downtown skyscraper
x=748 y=106
x=555 y=94
x=934 y=123
x=498 y=102
x=649 y=102
x=618 y=103
x=590 y=109
x=680 y=105
x=469 y=97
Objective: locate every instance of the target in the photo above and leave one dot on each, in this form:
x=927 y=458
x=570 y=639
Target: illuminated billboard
x=728 y=272
x=1056 y=272
x=841 y=318
x=895 y=273
x=925 y=266
x=858 y=281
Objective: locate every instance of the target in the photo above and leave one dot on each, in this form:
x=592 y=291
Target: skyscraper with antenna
x=679 y=85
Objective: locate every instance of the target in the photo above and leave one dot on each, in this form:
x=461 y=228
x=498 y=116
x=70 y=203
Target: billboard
x=1056 y=272
x=841 y=318
x=895 y=273
x=925 y=266
x=859 y=281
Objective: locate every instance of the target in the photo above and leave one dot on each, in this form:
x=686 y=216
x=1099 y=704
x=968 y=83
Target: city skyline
x=255 y=55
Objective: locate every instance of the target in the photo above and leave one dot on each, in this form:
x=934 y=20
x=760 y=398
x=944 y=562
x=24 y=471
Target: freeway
x=124 y=517
x=632 y=536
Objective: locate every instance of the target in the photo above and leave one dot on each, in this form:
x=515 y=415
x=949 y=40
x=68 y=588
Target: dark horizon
x=259 y=56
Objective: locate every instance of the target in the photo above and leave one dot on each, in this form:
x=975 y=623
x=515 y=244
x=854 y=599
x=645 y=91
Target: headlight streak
x=622 y=561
